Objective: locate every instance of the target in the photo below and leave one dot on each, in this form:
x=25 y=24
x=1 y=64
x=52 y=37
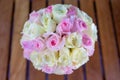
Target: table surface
x=104 y=65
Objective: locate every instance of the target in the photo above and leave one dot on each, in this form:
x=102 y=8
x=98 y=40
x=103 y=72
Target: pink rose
x=48 y=69
x=68 y=70
x=34 y=16
x=55 y=42
x=37 y=44
x=87 y=43
x=79 y=26
x=48 y=9
x=86 y=40
x=64 y=27
x=27 y=53
x=27 y=44
x=90 y=50
x=72 y=11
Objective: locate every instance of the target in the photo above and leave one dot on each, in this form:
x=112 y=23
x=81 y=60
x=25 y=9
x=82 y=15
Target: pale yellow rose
x=36 y=59
x=73 y=40
x=64 y=57
x=92 y=32
x=59 y=12
x=49 y=57
x=33 y=30
x=26 y=27
x=79 y=57
x=48 y=24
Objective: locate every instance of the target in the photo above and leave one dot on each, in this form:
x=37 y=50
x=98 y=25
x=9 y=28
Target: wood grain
x=109 y=50
x=35 y=74
x=77 y=74
x=93 y=66
x=5 y=25
x=73 y=2
x=116 y=16
x=18 y=63
x=52 y=2
x=38 y=4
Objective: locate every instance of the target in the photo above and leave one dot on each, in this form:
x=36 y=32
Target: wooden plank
x=116 y=15
x=52 y=76
x=77 y=74
x=52 y=2
x=93 y=66
x=73 y=2
x=18 y=63
x=5 y=24
x=35 y=74
x=109 y=50
x=38 y=4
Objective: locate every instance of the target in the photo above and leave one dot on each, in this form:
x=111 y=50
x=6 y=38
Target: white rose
x=59 y=12
x=36 y=59
x=64 y=57
x=48 y=24
x=92 y=32
x=73 y=40
x=49 y=57
x=33 y=30
x=79 y=57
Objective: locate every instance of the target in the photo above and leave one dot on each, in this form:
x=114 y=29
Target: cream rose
x=65 y=58
x=33 y=30
x=48 y=24
x=36 y=59
x=92 y=32
x=49 y=57
x=59 y=12
x=73 y=40
x=79 y=57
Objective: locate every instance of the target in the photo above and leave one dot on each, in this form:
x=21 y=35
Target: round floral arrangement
x=58 y=39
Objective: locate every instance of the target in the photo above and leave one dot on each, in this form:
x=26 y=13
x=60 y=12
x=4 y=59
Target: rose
x=49 y=57
x=92 y=32
x=34 y=17
x=48 y=69
x=32 y=45
x=64 y=27
x=36 y=44
x=48 y=24
x=42 y=59
x=79 y=57
x=33 y=30
x=64 y=57
x=87 y=19
x=54 y=42
x=26 y=53
x=79 y=25
x=48 y=9
x=87 y=42
x=71 y=11
x=67 y=70
x=73 y=40
x=36 y=59
x=26 y=27
x=59 y=12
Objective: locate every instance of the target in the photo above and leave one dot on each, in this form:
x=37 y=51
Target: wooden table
x=104 y=65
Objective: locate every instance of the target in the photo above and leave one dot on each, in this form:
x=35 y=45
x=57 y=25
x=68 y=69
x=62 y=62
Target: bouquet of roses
x=58 y=39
